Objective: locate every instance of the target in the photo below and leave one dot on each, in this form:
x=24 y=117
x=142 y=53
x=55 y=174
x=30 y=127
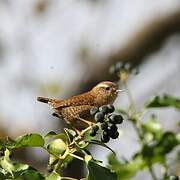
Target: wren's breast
x=73 y=114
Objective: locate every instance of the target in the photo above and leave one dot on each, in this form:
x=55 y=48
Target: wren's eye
x=107 y=88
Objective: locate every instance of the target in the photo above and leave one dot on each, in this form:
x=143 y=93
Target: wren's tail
x=44 y=100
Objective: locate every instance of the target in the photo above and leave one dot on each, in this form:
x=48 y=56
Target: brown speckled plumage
x=76 y=110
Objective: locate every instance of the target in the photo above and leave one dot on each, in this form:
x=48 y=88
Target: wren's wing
x=83 y=99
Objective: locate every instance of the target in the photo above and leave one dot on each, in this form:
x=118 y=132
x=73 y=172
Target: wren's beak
x=119 y=90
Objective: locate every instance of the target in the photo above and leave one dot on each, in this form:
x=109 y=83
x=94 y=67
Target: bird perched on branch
x=76 y=110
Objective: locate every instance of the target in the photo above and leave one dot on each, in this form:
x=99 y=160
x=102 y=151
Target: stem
x=152 y=173
x=130 y=98
x=77 y=157
x=68 y=178
x=136 y=125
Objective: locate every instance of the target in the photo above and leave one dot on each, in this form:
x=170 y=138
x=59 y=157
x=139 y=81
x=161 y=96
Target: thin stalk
x=68 y=178
x=77 y=157
x=130 y=98
x=152 y=173
x=136 y=125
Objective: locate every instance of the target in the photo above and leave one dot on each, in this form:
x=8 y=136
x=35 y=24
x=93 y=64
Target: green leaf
x=99 y=172
x=70 y=134
x=30 y=174
x=54 y=135
x=6 y=163
x=152 y=128
x=125 y=170
x=164 y=101
x=29 y=140
x=50 y=134
x=53 y=176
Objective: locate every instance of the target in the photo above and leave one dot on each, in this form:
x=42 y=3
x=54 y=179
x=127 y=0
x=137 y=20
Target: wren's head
x=105 y=92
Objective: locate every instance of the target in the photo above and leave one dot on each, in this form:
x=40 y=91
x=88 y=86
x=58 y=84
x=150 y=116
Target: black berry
x=105 y=139
x=104 y=126
x=95 y=128
x=107 y=132
x=92 y=132
x=99 y=117
x=94 y=110
x=115 y=119
x=104 y=109
x=115 y=135
x=110 y=108
x=113 y=127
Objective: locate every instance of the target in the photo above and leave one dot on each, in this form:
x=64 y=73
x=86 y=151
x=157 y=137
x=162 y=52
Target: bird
x=75 y=110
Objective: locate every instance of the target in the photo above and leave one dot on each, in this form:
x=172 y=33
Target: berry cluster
x=107 y=122
x=122 y=66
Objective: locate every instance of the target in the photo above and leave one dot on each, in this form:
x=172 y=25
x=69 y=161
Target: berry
x=110 y=108
x=173 y=178
x=113 y=128
x=105 y=138
x=115 y=119
x=99 y=117
x=104 y=109
x=94 y=110
x=115 y=135
x=92 y=132
x=104 y=126
x=95 y=128
x=107 y=132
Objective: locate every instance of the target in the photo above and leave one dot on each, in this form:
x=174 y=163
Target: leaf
x=70 y=134
x=50 y=134
x=30 y=174
x=20 y=167
x=54 y=135
x=101 y=144
x=99 y=172
x=53 y=176
x=6 y=163
x=2 y=174
x=164 y=101
x=152 y=128
x=125 y=170
x=29 y=140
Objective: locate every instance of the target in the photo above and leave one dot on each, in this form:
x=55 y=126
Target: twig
x=152 y=173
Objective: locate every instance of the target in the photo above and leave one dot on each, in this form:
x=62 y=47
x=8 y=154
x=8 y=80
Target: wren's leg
x=90 y=123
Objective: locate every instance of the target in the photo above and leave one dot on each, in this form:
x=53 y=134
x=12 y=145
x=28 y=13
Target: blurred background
x=59 y=48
